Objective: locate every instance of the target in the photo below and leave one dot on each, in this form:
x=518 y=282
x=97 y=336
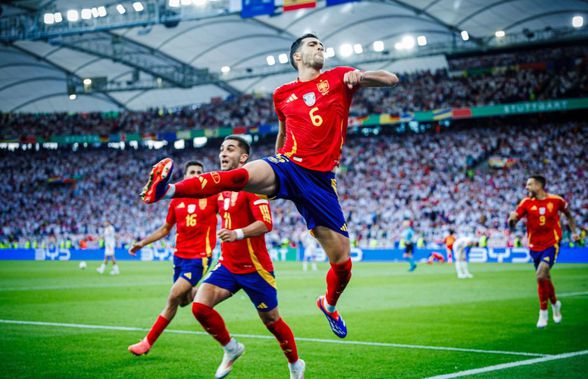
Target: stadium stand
x=439 y=180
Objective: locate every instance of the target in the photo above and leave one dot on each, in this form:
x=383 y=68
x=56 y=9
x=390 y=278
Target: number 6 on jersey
x=315 y=118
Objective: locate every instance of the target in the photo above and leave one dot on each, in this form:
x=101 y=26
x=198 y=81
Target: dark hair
x=539 y=178
x=242 y=142
x=296 y=45
x=193 y=163
x=451 y=231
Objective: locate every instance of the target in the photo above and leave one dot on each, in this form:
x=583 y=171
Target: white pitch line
x=504 y=366
x=570 y=294
x=257 y=336
x=69 y=287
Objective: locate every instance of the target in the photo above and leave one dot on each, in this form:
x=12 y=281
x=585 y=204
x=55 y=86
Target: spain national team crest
x=202 y=203
x=323 y=86
x=309 y=99
x=550 y=207
x=191 y=208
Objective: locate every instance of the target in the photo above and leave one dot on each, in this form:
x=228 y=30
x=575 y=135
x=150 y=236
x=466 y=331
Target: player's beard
x=532 y=194
x=316 y=64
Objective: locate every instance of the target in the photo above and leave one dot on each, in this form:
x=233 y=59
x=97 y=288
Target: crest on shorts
x=550 y=207
x=191 y=208
x=323 y=86
x=309 y=99
x=542 y=210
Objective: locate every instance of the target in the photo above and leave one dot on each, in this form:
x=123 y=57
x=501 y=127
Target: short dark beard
x=318 y=66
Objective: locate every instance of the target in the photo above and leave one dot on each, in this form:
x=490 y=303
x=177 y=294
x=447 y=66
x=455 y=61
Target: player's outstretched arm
x=380 y=78
x=155 y=236
x=572 y=224
x=513 y=218
x=254 y=229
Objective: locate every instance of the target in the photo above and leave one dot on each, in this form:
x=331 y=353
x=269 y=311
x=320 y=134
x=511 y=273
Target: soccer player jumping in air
x=542 y=212
x=313 y=113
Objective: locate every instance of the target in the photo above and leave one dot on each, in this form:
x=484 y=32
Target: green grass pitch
x=386 y=308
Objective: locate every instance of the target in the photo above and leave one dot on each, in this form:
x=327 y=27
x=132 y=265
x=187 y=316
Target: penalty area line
x=504 y=366
x=257 y=336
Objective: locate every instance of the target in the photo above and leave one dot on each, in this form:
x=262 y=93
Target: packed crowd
x=437 y=180
x=556 y=73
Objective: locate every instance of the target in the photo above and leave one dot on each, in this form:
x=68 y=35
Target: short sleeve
x=521 y=208
x=260 y=208
x=279 y=113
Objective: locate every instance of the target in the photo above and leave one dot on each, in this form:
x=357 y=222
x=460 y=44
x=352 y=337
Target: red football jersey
x=195 y=221
x=238 y=210
x=542 y=220
x=315 y=114
x=448 y=241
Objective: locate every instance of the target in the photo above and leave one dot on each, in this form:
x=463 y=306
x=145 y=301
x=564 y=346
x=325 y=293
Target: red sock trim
x=337 y=278
x=211 y=183
x=212 y=322
x=158 y=327
x=285 y=337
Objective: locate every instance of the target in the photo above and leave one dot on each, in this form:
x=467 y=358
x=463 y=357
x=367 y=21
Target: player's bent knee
x=270 y=317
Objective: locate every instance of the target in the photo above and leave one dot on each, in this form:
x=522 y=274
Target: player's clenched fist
x=353 y=78
x=227 y=235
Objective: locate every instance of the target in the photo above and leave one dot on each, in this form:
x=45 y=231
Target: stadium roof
x=34 y=73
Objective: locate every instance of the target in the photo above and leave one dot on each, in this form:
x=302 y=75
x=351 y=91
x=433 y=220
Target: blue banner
x=148 y=253
x=475 y=255
x=337 y=2
x=252 y=8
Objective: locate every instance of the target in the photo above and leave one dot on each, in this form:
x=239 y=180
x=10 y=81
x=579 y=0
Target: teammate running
x=244 y=264
x=542 y=212
x=195 y=221
x=313 y=113
x=448 y=241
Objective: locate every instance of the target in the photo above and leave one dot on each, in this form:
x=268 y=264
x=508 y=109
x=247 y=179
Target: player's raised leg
x=256 y=177
x=176 y=297
x=337 y=248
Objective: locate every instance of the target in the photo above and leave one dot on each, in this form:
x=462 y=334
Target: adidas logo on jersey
x=292 y=98
x=262 y=306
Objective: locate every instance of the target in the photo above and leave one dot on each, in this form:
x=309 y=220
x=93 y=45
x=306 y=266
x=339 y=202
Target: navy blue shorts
x=190 y=269
x=313 y=192
x=259 y=286
x=548 y=256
